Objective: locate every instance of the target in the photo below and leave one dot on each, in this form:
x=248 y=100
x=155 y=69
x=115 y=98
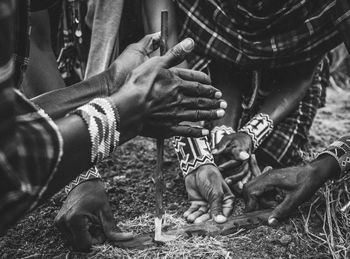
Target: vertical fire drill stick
x=158 y=175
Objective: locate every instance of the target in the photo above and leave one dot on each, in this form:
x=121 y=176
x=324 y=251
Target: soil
x=130 y=188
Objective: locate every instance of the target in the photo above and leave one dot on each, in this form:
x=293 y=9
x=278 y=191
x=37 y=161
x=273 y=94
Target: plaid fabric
x=283 y=146
x=30 y=143
x=269 y=34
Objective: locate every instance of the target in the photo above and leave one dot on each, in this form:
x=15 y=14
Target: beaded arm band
x=102 y=121
x=340 y=150
x=91 y=174
x=192 y=153
x=258 y=128
x=217 y=133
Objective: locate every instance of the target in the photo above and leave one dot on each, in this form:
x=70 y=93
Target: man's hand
x=86 y=218
x=234 y=160
x=155 y=95
x=209 y=195
x=133 y=56
x=297 y=183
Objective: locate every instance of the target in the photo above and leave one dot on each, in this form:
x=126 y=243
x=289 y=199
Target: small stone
x=285 y=240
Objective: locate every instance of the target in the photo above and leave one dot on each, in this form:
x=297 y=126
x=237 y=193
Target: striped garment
x=30 y=143
x=270 y=33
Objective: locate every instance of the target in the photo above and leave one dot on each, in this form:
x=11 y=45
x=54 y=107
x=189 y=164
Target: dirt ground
x=129 y=185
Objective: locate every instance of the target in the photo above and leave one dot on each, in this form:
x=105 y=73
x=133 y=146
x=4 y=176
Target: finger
x=266 y=169
x=192 y=75
x=193 y=216
x=188 y=131
x=246 y=178
x=177 y=54
x=202 y=103
x=205 y=217
x=149 y=43
x=221 y=147
x=282 y=210
x=229 y=165
x=228 y=203
x=190 y=115
x=81 y=238
x=194 y=206
x=253 y=164
x=196 y=89
x=216 y=202
x=108 y=223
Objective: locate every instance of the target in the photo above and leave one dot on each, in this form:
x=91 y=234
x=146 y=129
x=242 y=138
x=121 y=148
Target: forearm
x=59 y=102
x=290 y=90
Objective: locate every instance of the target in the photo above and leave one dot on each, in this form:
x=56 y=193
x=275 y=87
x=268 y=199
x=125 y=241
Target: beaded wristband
x=258 y=128
x=217 y=133
x=91 y=174
x=102 y=122
x=192 y=153
x=340 y=150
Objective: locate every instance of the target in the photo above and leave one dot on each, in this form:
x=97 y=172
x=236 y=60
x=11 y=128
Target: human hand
x=86 y=218
x=209 y=195
x=297 y=183
x=133 y=56
x=235 y=161
x=165 y=97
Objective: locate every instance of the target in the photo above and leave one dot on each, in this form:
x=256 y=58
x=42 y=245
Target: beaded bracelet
x=91 y=174
x=340 y=150
x=102 y=120
x=192 y=153
x=258 y=128
x=217 y=133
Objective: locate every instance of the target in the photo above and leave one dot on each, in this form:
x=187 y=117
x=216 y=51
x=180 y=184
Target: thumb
x=216 y=203
x=108 y=223
x=177 y=54
x=281 y=211
x=149 y=43
x=220 y=147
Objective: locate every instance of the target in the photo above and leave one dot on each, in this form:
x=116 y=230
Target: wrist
x=114 y=77
x=326 y=168
x=91 y=175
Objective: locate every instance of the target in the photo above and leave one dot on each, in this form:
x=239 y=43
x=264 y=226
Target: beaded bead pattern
x=217 y=133
x=101 y=119
x=258 y=128
x=340 y=150
x=91 y=174
x=192 y=153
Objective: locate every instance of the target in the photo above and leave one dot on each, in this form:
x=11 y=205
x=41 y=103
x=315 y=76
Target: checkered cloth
x=283 y=146
x=268 y=33
x=30 y=143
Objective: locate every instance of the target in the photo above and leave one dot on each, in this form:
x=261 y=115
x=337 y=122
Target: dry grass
x=182 y=247
x=332 y=207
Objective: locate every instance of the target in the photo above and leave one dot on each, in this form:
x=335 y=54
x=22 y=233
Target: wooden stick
x=158 y=175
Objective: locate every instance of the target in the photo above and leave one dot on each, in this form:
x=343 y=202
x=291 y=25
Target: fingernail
x=243 y=155
x=205 y=132
x=214 y=151
x=220 y=113
x=188 y=45
x=240 y=185
x=220 y=218
x=218 y=95
x=273 y=221
x=223 y=105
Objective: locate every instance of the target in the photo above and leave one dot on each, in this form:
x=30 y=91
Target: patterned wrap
x=192 y=153
x=217 y=133
x=101 y=119
x=340 y=150
x=91 y=174
x=258 y=128
x=269 y=34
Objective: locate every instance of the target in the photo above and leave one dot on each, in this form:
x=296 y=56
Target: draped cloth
x=263 y=34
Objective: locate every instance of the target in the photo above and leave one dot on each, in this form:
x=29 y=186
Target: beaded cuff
x=102 y=122
x=217 y=133
x=340 y=150
x=91 y=174
x=192 y=153
x=258 y=128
